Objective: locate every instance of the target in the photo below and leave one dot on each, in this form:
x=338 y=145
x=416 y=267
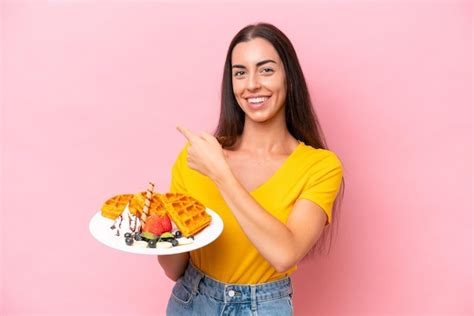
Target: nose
x=253 y=82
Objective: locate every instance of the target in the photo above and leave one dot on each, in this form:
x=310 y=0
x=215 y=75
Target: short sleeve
x=323 y=184
x=177 y=176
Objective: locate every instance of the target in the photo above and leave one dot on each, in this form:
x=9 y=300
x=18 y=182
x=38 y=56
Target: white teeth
x=257 y=100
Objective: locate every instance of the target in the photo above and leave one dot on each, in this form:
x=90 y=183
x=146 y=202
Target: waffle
x=186 y=212
x=138 y=202
x=114 y=206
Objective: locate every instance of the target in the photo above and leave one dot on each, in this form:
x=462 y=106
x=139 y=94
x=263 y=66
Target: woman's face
x=258 y=79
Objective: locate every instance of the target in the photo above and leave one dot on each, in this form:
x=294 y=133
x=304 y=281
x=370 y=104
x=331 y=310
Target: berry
x=178 y=234
x=152 y=243
x=127 y=235
x=137 y=236
x=157 y=224
x=174 y=242
x=153 y=225
x=166 y=223
x=129 y=241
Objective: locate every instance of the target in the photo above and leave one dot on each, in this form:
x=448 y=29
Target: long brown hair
x=301 y=119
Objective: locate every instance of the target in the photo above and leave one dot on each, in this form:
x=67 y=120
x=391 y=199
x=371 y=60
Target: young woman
x=267 y=172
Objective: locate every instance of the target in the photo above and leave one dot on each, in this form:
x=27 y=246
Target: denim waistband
x=198 y=282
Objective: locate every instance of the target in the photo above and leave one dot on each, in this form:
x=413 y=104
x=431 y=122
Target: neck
x=270 y=137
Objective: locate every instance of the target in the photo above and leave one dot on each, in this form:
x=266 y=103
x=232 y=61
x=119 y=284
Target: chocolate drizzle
x=135 y=224
x=134 y=221
x=114 y=225
x=121 y=219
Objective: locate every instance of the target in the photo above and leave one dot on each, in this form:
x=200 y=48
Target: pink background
x=91 y=93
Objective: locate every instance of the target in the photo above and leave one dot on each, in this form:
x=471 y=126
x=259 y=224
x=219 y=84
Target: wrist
x=223 y=176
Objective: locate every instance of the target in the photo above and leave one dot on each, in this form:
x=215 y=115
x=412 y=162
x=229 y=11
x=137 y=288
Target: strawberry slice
x=157 y=224
x=153 y=225
x=166 y=223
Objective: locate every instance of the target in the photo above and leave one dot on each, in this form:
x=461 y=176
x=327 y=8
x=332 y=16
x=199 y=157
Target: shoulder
x=319 y=157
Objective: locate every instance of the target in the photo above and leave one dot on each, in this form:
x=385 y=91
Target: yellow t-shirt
x=308 y=173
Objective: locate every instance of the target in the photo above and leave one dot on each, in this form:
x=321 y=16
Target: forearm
x=174 y=265
x=273 y=239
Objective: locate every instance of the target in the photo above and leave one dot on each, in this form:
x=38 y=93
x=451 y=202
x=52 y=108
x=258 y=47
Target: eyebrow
x=263 y=62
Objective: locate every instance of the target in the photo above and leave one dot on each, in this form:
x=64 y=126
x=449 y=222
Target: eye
x=239 y=73
x=267 y=70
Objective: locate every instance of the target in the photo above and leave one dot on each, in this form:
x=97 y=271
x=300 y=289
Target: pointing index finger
x=186 y=133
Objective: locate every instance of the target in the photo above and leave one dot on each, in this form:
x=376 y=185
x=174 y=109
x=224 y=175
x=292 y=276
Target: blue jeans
x=197 y=294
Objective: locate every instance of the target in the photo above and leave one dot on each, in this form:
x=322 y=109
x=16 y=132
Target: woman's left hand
x=205 y=154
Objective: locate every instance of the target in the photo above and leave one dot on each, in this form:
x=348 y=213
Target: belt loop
x=253 y=297
x=196 y=284
x=198 y=276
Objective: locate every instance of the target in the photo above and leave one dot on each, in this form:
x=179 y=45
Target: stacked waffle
x=137 y=204
x=114 y=206
x=187 y=213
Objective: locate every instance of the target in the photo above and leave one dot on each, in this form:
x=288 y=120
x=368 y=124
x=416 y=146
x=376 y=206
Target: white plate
x=99 y=227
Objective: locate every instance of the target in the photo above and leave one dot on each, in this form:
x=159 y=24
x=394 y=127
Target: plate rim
x=216 y=220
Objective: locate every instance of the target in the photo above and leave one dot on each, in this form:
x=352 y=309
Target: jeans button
x=231 y=293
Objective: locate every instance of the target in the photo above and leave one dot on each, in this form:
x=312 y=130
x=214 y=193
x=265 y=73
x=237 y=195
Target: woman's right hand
x=174 y=265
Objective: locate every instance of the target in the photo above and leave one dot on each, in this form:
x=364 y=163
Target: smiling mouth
x=257 y=102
